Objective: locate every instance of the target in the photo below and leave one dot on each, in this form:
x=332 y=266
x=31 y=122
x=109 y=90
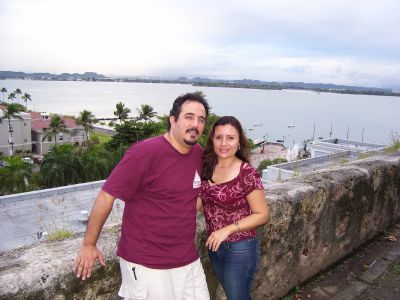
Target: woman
x=232 y=199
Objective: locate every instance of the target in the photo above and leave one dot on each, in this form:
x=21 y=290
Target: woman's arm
x=199 y=205
x=259 y=216
x=259 y=209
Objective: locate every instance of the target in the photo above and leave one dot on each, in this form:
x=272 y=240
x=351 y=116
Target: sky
x=354 y=42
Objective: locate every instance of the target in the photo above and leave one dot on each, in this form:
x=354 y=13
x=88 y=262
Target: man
x=159 y=180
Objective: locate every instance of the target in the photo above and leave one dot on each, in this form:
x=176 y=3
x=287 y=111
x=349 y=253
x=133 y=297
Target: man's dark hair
x=177 y=106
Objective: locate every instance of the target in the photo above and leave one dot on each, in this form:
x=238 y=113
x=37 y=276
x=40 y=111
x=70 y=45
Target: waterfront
x=272 y=111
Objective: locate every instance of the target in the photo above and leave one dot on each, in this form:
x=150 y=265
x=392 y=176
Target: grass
x=343 y=161
x=112 y=229
x=59 y=235
x=296 y=170
x=365 y=155
x=394 y=147
x=396 y=269
x=101 y=137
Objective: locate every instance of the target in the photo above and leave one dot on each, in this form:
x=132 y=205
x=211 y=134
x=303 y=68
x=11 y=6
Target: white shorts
x=183 y=283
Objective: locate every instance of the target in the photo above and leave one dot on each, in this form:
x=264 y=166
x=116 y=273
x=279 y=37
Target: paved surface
x=29 y=217
x=371 y=273
x=268 y=151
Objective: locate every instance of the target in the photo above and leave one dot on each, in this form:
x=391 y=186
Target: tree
x=96 y=163
x=56 y=126
x=61 y=166
x=17 y=92
x=146 y=112
x=12 y=111
x=209 y=123
x=26 y=97
x=122 y=112
x=11 y=96
x=133 y=131
x=86 y=119
x=3 y=91
x=263 y=165
x=16 y=176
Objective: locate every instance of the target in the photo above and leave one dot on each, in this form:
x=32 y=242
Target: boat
x=291 y=125
x=280 y=141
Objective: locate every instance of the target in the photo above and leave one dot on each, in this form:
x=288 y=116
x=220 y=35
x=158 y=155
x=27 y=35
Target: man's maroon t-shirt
x=159 y=186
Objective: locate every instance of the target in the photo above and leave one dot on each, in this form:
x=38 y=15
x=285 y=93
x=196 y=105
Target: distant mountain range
x=203 y=81
x=87 y=76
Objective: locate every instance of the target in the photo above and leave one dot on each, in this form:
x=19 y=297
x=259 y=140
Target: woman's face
x=225 y=141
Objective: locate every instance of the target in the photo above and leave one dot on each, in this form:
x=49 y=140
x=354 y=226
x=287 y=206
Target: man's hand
x=85 y=261
x=87 y=256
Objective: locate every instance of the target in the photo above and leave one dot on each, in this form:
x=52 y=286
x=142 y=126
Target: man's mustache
x=192 y=129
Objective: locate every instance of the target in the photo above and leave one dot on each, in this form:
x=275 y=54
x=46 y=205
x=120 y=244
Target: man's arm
x=89 y=253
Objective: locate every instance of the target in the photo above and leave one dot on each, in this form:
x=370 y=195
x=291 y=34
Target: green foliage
x=146 y=112
x=16 y=176
x=343 y=161
x=395 y=145
x=267 y=162
x=396 y=269
x=96 y=162
x=122 y=112
x=59 y=235
x=62 y=166
x=296 y=170
x=86 y=119
x=251 y=144
x=365 y=155
x=263 y=165
x=56 y=126
x=209 y=123
x=279 y=160
x=99 y=138
x=133 y=131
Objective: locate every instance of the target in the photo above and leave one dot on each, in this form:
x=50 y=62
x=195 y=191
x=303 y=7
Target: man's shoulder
x=146 y=147
x=150 y=143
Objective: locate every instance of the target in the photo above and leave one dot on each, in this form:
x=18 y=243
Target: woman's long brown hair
x=210 y=158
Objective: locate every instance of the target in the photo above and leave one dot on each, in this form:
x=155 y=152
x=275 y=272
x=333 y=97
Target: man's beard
x=190 y=142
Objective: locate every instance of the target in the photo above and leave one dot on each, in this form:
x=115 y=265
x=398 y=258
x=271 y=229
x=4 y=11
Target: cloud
x=349 y=42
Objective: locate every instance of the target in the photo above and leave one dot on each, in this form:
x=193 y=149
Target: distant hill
x=204 y=81
x=87 y=76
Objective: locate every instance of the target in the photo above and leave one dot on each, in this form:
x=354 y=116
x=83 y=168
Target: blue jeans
x=235 y=264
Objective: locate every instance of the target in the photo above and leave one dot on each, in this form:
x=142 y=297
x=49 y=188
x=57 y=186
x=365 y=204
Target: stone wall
x=316 y=220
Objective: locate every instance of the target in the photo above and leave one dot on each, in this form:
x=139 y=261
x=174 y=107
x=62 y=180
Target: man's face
x=189 y=126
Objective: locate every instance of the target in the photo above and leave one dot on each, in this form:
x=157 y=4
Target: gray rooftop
x=27 y=217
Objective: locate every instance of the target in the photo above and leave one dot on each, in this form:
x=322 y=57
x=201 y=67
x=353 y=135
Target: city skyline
x=326 y=42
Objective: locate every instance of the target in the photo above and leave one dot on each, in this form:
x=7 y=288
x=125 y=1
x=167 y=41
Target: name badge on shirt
x=196 y=180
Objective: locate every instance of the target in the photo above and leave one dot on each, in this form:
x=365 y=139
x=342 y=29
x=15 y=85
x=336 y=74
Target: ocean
x=288 y=115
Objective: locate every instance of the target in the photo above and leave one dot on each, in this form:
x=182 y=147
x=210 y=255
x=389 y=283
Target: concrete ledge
x=316 y=220
x=52 y=191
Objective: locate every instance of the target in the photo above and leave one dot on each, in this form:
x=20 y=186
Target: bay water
x=289 y=115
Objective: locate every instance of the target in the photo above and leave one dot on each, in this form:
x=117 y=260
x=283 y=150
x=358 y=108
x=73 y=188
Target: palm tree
x=61 y=167
x=12 y=111
x=86 y=119
x=11 y=97
x=26 y=97
x=122 y=112
x=146 y=112
x=56 y=126
x=16 y=176
x=96 y=163
x=3 y=90
x=17 y=92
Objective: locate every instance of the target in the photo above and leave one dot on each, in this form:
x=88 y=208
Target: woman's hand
x=217 y=237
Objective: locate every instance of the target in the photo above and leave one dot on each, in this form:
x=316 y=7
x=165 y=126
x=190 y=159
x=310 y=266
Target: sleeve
x=251 y=180
x=126 y=178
